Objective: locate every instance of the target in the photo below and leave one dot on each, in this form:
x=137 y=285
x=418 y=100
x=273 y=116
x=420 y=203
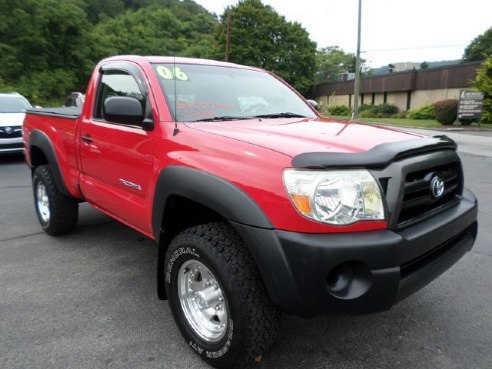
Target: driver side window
x=116 y=83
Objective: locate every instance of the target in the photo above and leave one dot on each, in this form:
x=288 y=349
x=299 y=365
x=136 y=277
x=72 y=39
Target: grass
x=422 y=123
x=415 y=123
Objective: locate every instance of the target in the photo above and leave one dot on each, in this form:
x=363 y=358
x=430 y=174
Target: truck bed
x=58 y=127
x=72 y=112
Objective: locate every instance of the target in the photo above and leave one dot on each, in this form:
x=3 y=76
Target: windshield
x=13 y=104
x=210 y=93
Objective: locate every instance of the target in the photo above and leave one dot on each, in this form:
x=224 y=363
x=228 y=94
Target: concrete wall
x=379 y=99
x=425 y=97
x=417 y=99
x=399 y=99
x=338 y=100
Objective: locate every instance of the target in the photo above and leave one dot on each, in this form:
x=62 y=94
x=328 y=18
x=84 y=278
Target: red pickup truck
x=258 y=205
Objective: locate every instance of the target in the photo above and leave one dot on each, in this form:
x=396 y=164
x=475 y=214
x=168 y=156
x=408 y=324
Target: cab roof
x=178 y=60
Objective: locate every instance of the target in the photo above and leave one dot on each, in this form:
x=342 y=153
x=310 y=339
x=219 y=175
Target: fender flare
x=40 y=140
x=208 y=190
x=217 y=194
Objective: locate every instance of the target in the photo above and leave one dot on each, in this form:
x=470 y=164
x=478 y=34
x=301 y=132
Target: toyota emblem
x=437 y=187
x=8 y=130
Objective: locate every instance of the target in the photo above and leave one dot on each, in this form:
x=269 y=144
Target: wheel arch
x=208 y=198
x=41 y=152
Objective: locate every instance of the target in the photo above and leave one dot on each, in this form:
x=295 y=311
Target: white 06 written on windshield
x=173 y=73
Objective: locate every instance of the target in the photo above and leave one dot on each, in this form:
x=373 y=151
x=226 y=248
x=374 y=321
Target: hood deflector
x=379 y=156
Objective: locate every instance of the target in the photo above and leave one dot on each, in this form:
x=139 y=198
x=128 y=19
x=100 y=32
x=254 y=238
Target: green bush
x=377 y=111
x=400 y=115
x=339 y=110
x=483 y=82
x=385 y=109
x=423 y=112
x=366 y=114
x=365 y=107
x=446 y=111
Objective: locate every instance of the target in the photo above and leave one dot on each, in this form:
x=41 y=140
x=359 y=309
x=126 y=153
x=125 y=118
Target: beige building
x=407 y=90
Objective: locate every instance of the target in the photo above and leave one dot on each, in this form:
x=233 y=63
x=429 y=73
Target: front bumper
x=362 y=272
x=11 y=145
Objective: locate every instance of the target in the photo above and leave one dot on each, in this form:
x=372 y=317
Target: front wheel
x=217 y=297
x=56 y=212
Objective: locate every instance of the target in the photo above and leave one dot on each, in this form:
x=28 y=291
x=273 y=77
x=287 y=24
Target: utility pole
x=355 y=114
x=228 y=37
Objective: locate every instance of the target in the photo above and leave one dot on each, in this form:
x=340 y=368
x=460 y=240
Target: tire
x=56 y=212
x=246 y=324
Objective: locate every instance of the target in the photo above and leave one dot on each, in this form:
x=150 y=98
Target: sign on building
x=470 y=105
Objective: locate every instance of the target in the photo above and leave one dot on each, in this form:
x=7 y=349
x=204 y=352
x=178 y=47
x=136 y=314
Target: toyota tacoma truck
x=258 y=205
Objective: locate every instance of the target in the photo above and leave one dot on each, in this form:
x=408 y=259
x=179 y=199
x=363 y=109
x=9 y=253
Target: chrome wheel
x=42 y=202
x=202 y=301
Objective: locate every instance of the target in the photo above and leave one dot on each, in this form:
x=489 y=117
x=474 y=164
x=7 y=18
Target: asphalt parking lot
x=88 y=299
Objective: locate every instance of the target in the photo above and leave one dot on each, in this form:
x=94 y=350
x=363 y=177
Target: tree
x=424 y=65
x=100 y=10
x=480 y=48
x=183 y=30
x=261 y=37
x=49 y=47
x=331 y=61
x=41 y=36
x=97 y=9
x=483 y=82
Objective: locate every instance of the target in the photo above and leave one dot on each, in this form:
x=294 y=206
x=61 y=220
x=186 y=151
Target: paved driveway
x=88 y=299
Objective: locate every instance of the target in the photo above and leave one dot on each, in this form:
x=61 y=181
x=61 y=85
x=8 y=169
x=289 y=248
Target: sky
x=392 y=31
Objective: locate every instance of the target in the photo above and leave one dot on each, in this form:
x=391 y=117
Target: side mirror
x=123 y=109
x=313 y=103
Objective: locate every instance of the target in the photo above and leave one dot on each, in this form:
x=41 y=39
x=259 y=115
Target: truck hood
x=297 y=136
x=11 y=119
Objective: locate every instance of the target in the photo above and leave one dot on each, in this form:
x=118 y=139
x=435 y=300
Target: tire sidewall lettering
x=176 y=254
x=215 y=351
x=218 y=353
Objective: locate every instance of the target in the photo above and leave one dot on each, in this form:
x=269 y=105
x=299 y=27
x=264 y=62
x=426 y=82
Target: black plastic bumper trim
x=295 y=266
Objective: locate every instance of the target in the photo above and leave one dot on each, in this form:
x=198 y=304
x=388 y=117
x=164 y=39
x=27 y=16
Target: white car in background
x=13 y=108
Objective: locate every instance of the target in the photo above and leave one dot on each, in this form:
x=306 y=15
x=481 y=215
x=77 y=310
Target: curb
x=450 y=129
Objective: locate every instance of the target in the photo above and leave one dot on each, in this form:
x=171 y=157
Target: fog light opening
x=340 y=277
x=349 y=280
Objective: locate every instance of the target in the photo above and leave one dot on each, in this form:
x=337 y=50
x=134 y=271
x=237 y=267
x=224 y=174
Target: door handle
x=86 y=138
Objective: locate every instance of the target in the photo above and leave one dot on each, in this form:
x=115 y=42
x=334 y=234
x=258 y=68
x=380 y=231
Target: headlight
x=335 y=196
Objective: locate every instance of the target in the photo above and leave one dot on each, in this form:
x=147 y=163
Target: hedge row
x=444 y=111
x=365 y=110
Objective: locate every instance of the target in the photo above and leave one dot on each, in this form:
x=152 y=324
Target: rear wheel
x=217 y=297
x=56 y=212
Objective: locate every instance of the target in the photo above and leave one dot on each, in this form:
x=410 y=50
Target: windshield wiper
x=221 y=118
x=280 y=115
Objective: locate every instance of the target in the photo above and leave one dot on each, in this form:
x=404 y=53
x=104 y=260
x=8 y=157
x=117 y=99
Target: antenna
x=176 y=129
